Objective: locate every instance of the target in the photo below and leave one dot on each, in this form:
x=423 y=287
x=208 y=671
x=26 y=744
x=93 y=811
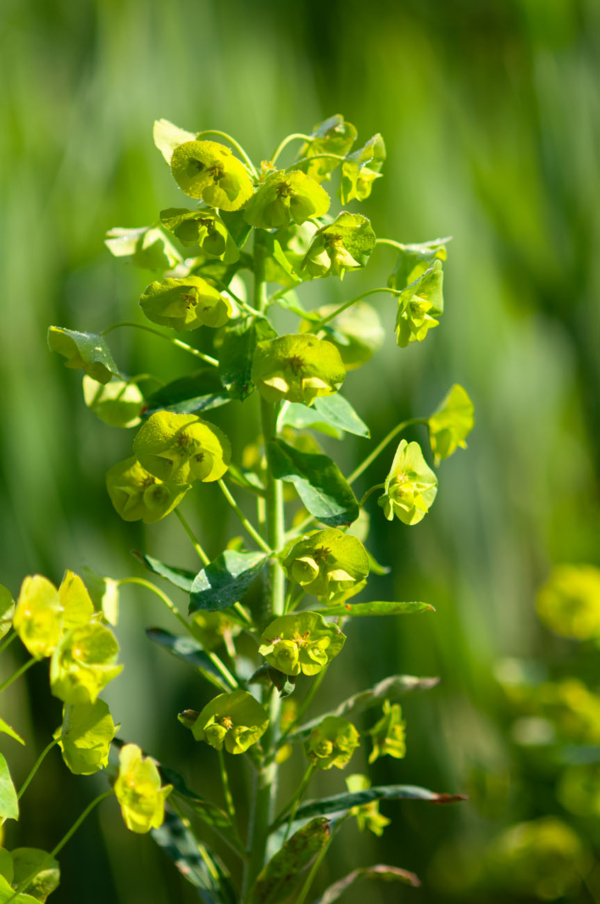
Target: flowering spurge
x=139 y=791
x=334 y=136
x=209 y=171
x=83 y=351
x=83 y=663
x=85 y=736
x=185 y=304
x=419 y=305
x=202 y=227
x=410 y=487
x=327 y=563
x=368 y=817
x=389 y=734
x=450 y=424
x=346 y=244
x=234 y=721
x=44 y=613
x=301 y=643
x=285 y=198
x=182 y=448
x=297 y=368
x=138 y=495
x=118 y=403
x=361 y=168
x=331 y=743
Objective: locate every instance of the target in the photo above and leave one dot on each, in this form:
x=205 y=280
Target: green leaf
x=180 y=577
x=5 y=727
x=380 y=871
x=225 y=580
x=378 y=608
x=83 y=350
x=291 y=302
x=341 y=803
x=7 y=893
x=237 y=227
x=267 y=674
x=189 y=650
x=104 y=593
x=318 y=481
x=237 y=353
x=330 y=414
x=246 y=478
x=376 y=568
x=7 y=610
x=207 y=811
x=277 y=880
x=187 y=395
x=44 y=869
x=9 y=803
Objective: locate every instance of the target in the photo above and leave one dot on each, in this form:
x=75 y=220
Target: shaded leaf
x=246 y=478
x=225 y=580
x=238 y=228
x=9 y=803
x=339 y=803
x=180 y=577
x=7 y=893
x=378 y=608
x=280 y=876
x=237 y=353
x=187 y=395
x=318 y=481
x=207 y=811
x=6 y=729
x=38 y=866
x=268 y=674
x=380 y=871
x=189 y=650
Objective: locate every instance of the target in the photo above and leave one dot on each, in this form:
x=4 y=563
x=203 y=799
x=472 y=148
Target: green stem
x=36 y=766
x=384 y=442
x=315 y=867
x=229 y=805
x=321 y=323
x=391 y=243
x=8 y=640
x=305 y=703
x=314 y=157
x=199 y=550
x=289 y=138
x=249 y=527
x=142 y=326
x=378 y=486
x=292 y=806
x=18 y=673
x=234 y=144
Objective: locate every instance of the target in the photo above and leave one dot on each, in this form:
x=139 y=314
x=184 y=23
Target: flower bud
x=185 y=304
x=212 y=628
x=38 y=616
x=182 y=448
x=209 y=170
x=297 y=368
x=333 y=136
x=138 y=495
x=235 y=721
x=331 y=743
x=139 y=792
x=418 y=306
x=367 y=815
x=410 y=487
x=327 y=563
x=286 y=197
x=301 y=643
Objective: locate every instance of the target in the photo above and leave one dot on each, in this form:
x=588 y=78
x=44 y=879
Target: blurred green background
x=490 y=112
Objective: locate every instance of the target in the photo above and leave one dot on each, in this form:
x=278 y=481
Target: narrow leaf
x=237 y=351
x=5 y=727
x=180 y=577
x=378 y=608
x=207 y=811
x=188 y=395
x=9 y=803
x=187 y=649
x=246 y=478
x=340 y=413
x=266 y=674
x=381 y=871
x=318 y=481
x=282 y=873
x=341 y=803
x=225 y=580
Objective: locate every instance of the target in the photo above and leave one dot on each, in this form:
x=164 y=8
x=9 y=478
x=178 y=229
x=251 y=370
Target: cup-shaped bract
x=139 y=791
x=346 y=244
x=331 y=743
x=357 y=332
x=85 y=736
x=450 y=424
x=83 y=663
x=389 y=733
x=333 y=136
x=76 y=603
x=301 y=643
x=38 y=616
x=410 y=487
x=234 y=721
x=86 y=351
x=185 y=304
x=327 y=563
x=569 y=602
x=7 y=610
x=148 y=247
x=419 y=305
x=360 y=169
x=298 y=368
x=138 y=495
x=182 y=448
x=202 y=227
x=285 y=198
x=209 y=171
x=367 y=816
x=118 y=403
x=213 y=628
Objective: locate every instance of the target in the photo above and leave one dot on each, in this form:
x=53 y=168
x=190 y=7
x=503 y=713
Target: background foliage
x=490 y=112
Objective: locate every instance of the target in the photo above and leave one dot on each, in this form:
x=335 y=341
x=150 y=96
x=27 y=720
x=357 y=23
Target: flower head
x=185 y=304
x=209 y=170
x=450 y=424
x=389 y=734
x=360 y=169
x=285 y=198
x=346 y=244
x=410 y=487
x=83 y=663
x=139 y=792
x=85 y=736
x=298 y=368
x=138 y=495
x=235 y=721
x=301 y=643
x=182 y=448
x=419 y=305
x=331 y=743
x=327 y=563
x=43 y=613
x=333 y=136
x=569 y=601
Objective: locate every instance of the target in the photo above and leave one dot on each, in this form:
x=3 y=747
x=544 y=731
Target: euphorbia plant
x=222 y=266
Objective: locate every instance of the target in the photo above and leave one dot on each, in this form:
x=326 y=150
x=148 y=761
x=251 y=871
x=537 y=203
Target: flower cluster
x=297 y=368
x=328 y=563
x=234 y=721
x=303 y=643
x=331 y=743
x=410 y=487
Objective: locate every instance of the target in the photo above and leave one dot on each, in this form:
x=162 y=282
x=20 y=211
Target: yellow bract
x=139 y=792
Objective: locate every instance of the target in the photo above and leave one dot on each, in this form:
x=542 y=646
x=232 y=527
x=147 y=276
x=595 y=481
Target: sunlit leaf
x=44 y=868
x=6 y=729
x=225 y=580
x=9 y=803
x=180 y=577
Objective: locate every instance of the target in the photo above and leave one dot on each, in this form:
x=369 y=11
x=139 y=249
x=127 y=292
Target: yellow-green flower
x=86 y=351
x=139 y=792
x=419 y=305
x=85 y=736
x=450 y=424
x=138 y=495
x=298 y=368
x=235 y=721
x=346 y=244
x=333 y=136
x=368 y=817
x=44 y=613
x=202 y=227
x=331 y=743
x=301 y=643
x=360 y=169
x=209 y=170
x=83 y=663
x=185 y=304
x=76 y=603
x=389 y=734
x=327 y=563
x=118 y=403
x=182 y=448
x=285 y=198
x=410 y=487
x=569 y=602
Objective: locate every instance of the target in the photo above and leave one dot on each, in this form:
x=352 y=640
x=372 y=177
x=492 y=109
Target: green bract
x=360 y=169
x=569 y=602
x=147 y=247
x=414 y=260
x=76 y=603
x=139 y=792
x=331 y=743
x=212 y=628
x=83 y=663
x=346 y=244
x=418 y=306
x=7 y=610
x=333 y=136
x=410 y=487
x=167 y=137
x=389 y=734
x=356 y=332
x=185 y=304
x=450 y=424
x=38 y=616
x=288 y=249
x=202 y=227
x=38 y=866
x=234 y=721
x=285 y=198
x=301 y=643
x=138 y=495
x=298 y=368
x=182 y=448
x=85 y=736
x=83 y=350
x=367 y=816
x=208 y=170
x=118 y=403
x=327 y=563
